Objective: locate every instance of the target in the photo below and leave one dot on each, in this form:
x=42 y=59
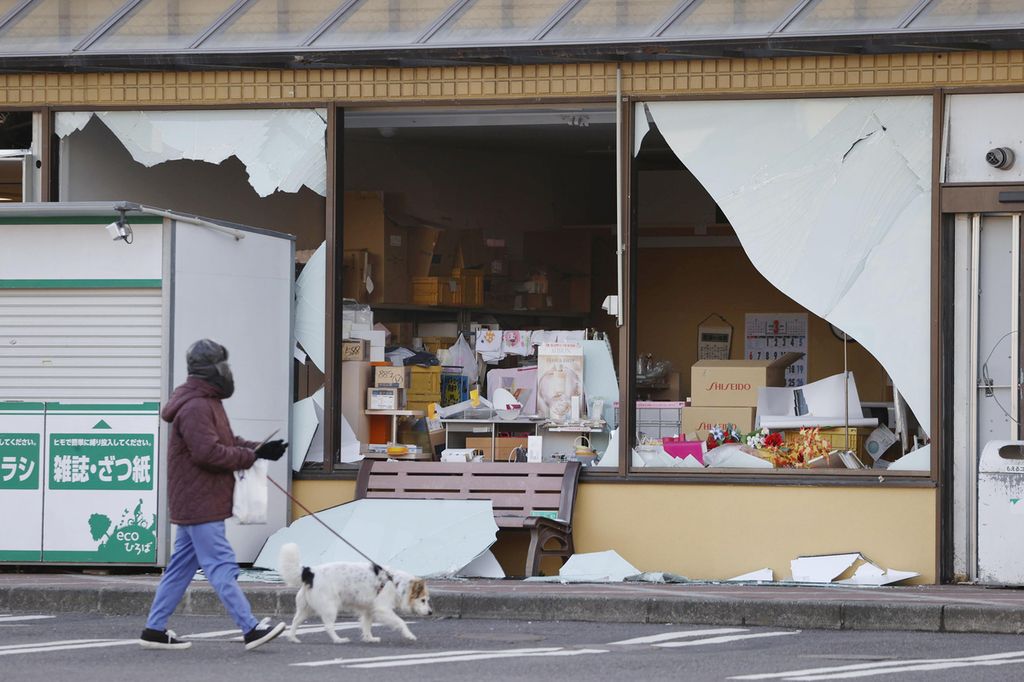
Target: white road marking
x=303 y=629
x=346 y=661
x=512 y=653
x=876 y=666
x=70 y=647
x=10 y=647
x=944 y=665
x=651 y=639
x=727 y=638
x=11 y=619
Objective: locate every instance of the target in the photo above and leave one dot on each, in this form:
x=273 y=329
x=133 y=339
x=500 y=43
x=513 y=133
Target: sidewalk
x=932 y=608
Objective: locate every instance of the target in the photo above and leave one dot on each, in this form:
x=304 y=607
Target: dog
x=369 y=590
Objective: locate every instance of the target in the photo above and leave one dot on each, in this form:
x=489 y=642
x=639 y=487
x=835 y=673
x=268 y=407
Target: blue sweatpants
x=205 y=546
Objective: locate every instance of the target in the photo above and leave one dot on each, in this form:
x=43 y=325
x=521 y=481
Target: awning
x=341 y=31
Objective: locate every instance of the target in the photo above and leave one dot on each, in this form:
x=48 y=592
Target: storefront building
x=712 y=166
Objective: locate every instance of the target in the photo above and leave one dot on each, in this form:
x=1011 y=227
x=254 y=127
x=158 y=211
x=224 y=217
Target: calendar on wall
x=770 y=336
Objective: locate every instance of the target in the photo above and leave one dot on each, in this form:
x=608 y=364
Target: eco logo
x=19 y=461
x=132 y=539
x=83 y=461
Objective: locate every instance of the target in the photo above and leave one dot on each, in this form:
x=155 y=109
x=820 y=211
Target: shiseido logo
x=719 y=386
x=706 y=426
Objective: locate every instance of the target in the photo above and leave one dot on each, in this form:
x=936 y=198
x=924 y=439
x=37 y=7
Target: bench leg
x=540 y=537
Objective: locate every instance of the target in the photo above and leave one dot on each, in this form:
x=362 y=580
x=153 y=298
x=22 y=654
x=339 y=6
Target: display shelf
x=449 y=310
x=394 y=415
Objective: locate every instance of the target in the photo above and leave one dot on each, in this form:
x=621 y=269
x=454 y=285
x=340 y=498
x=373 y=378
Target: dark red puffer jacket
x=203 y=454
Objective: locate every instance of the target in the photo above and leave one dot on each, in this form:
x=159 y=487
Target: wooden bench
x=516 y=491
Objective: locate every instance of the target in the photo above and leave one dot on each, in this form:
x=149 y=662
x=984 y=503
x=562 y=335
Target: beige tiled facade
x=679 y=78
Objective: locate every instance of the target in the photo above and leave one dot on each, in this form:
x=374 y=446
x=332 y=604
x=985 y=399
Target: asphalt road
x=90 y=648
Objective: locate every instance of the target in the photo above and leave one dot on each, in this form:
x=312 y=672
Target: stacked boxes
x=424 y=387
x=725 y=391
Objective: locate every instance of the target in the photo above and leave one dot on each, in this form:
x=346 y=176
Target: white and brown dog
x=371 y=591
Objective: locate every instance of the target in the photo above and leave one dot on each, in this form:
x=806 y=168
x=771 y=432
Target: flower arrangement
x=720 y=434
x=809 y=445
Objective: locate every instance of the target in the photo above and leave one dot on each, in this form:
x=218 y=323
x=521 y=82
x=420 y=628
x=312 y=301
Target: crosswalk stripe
x=69 y=647
x=727 y=638
x=302 y=629
x=909 y=668
x=12 y=619
x=875 y=665
x=651 y=639
x=11 y=647
x=514 y=653
x=346 y=661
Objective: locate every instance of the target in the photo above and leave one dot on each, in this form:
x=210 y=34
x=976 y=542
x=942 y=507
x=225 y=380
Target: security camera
x=1000 y=157
x=116 y=231
x=120 y=230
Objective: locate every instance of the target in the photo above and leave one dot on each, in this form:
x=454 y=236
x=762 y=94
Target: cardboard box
x=734 y=383
x=367 y=225
x=355 y=271
x=356 y=377
x=470 y=290
x=389 y=376
x=422 y=243
x=384 y=399
x=501 y=449
x=402 y=333
x=425 y=381
x=437 y=291
x=355 y=350
x=700 y=419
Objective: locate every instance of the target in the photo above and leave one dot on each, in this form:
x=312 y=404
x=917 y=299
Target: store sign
x=101 y=483
x=83 y=461
x=21 y=492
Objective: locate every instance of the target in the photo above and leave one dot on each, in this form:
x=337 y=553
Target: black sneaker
x=261 y=634
x=157 y=639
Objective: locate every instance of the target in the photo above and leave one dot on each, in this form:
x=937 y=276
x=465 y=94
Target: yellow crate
x=436 y=343
x=441 y=291
x=470 y=290
x=424 y=381
x=837 y=438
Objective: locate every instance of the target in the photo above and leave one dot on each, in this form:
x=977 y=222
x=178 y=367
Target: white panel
x=239 y=293
x=80 y=344
x=963 y=482
x=78 y=252
x=978 y=123
x=831 y=199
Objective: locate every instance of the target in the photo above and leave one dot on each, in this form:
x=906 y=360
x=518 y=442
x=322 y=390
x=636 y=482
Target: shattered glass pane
x=970 y=13
x=272 y=23
x=728 y=17
x=613 y=19
x=823 y=16
x=55 y=25
x=497 y=21
x=162 y=24
x=793 y=176
x=383 y=22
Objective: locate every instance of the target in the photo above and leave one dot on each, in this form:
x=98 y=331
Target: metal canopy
x=192 y=32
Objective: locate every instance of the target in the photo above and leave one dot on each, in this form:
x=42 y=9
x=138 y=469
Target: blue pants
x=205 y=546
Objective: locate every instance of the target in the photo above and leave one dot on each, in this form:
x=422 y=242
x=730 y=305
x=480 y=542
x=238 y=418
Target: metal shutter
x=80 y=344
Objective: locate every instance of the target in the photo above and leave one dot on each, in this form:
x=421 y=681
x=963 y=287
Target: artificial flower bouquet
x=809 y=444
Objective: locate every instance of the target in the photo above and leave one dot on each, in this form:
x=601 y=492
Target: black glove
x=271 y=450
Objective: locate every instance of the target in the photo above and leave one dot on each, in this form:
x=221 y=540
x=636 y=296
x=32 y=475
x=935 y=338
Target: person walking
x=204 y=454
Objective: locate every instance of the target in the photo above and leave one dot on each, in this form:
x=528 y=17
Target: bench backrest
x=515 y=489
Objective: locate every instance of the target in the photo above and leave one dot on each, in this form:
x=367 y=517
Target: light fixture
x=120 y=229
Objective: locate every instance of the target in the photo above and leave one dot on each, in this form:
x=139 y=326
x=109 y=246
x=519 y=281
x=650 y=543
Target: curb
x=669 y=610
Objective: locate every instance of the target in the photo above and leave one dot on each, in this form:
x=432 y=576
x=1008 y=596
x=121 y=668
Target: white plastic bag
x=462 y=355
x=249 y=505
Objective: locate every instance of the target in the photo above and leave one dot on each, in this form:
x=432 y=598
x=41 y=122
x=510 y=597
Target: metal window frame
x=220 y=21
x=438 y=23
x=556 y=18
x=913 y=14
x=14 y=12
x=105 y=26
x=333 y=18
x=679 y=11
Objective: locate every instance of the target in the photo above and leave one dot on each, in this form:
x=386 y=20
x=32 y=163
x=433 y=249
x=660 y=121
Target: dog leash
x=376 y=567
